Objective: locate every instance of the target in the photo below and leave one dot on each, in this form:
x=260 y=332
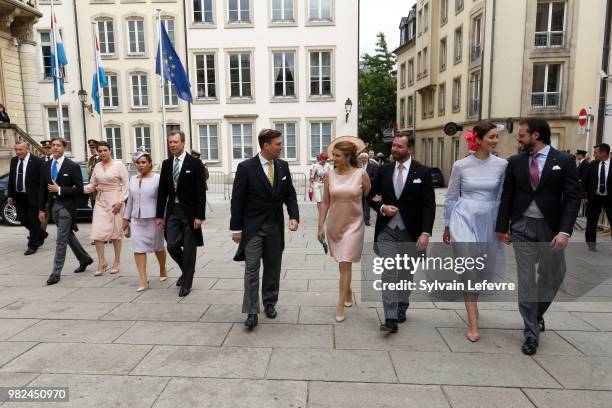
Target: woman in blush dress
x=344 y=188
x=110 y=181
x=139 y=216
x=470 y=212
x=317 y=173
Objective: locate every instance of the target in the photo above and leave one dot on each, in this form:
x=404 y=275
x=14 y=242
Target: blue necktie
x=54 y=170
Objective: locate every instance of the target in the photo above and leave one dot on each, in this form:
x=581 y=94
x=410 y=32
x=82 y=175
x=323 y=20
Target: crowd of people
x=531 y=198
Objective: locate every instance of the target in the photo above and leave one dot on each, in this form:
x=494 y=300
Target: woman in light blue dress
x=470 y=212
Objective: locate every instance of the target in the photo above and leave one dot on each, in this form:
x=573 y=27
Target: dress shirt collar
x=543 y=152
x=181 y=157
x=59 y=161
x=263 y=160
x=406 y=164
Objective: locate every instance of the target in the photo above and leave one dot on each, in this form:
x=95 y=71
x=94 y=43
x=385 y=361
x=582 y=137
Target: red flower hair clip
x=470 y=138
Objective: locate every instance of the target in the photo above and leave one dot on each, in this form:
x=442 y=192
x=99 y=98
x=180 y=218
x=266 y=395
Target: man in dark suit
x=61 y=185
x=539 y=205
x=597 y=192
x=406 y=213
x=261 y=185
x=181 y=207
x=46 y=144
x=371 y=169
x=583 y=163
x=23 y=190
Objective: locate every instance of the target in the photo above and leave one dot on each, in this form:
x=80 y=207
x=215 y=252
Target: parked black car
x=437 y=177
x=8 y=214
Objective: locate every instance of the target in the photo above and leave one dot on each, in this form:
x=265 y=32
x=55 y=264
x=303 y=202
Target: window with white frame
x=420 y=22
x=474 y=95
x=53 y=122
x=458 y=45
x=320 y=137
x=442 y=61
x=170 y=26
x=239 y=11
x=441 y=153
x=172 y=127
x=112 y=136
x=140 y=90
x=402 y=113
x=441 y=99
x=320 y=10
x=240 y=75
x=106 y=34
x=457 y=94
x=45 y=47
x=205 y=76
x=455 y=150
x=282 y=11
x=171 y=99
x=242 y=140
x=284 y=73
x=419 y=64
x=546 y=88
x=208 y=135
x=142 y=137
x=320 y=73
x=110 y=92
x=425 y=18
x=425 y=62
x=136 y=36
x=410 y=111
x=203 y=11
x=550 y=24
x=288 y=129
x=476 y=38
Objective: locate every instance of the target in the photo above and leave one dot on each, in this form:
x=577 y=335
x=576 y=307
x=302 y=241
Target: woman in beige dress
x=344 y=188
x=110 y=181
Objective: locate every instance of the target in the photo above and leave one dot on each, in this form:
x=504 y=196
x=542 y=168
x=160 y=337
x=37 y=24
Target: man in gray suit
x=61 y=185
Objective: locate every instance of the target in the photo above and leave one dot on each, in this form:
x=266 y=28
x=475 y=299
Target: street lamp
x=83 y=98
x=348 y=105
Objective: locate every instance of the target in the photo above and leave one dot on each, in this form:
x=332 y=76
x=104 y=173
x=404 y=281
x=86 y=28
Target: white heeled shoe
x=143 y=288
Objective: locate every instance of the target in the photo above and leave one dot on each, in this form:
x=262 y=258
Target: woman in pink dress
x=110 y=181
x=344 y=188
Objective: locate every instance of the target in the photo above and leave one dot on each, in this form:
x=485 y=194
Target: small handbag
x=310 y=193
x=127 y=231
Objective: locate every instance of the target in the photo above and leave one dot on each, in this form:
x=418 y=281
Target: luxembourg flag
x=99 y=78
x=58 y=58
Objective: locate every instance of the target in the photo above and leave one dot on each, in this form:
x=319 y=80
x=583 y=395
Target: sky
x=381 y=15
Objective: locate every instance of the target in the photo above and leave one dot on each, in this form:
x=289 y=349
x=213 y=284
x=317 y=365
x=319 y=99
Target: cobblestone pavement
x=115 y=347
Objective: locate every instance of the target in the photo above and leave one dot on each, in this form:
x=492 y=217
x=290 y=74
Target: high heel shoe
x=339 y=317
x=163 y=278
x=102 y=269
x=143 y=288
x=349 y=304
x=114 y=270
x=473 y=338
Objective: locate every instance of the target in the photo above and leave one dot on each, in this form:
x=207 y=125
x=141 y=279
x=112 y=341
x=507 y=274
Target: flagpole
x=57 y=75
x=162 y=83
x=96 y=52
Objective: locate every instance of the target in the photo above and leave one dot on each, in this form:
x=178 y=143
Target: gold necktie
x=271 y=172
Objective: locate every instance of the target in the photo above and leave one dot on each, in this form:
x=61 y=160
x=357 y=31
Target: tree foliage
x=377 y=94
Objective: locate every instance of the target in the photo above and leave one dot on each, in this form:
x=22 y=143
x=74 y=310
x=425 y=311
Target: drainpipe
x=603 y=84
x=491 y=58
x=78 y=43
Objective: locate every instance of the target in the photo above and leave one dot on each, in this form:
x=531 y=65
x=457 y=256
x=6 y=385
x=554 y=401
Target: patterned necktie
x=400 y=180
x=176 y=171
x=534 y=171
x=20 y=176
x=271 y=172
x=54 y=171
x=602 y=178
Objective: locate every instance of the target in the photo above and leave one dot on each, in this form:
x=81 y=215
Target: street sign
x=388 y=136
x=451 y=128
x=582 y=117
x=582 y=130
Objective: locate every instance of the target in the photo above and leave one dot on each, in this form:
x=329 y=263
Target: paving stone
x=73 y=331
x=56 y=310
x=486 y=397
x=292 y=285
x=176 y=333
x=214 y=297
x=77 y=358
x=229 y=393
x=569 y=398
x=501 y=319
x=478 y=369
x=587 y=373
x=331 y=365
x=10 y=327
x=233 y=314
x=601 y=321
x=157 y=312
x=369 y=337
x=12 y=349
x=112 y=295
x=203 y=361
x=167 y=296
x=282 y=335
x=327 y=315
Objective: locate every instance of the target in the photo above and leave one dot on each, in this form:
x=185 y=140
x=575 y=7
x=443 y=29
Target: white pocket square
x=417 y=181
x=66 y=175
x=284 y=178
x=556 y=168
x=187 y=171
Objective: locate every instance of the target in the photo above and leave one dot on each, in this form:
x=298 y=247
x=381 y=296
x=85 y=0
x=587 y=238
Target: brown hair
x=61 y=139
x=177 y=132
x=482 y=128
x=103 y=143
x=538 y=125
x=349 y=150
x=267 y=135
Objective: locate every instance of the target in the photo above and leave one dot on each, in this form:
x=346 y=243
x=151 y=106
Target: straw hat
x=361 y=146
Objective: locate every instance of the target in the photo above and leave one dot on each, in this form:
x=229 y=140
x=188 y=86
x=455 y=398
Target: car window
x=83 y=167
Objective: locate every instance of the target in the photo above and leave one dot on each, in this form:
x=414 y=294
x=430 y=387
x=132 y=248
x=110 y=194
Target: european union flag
x=173 y=69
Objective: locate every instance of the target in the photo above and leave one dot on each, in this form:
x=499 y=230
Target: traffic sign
x=582 y=117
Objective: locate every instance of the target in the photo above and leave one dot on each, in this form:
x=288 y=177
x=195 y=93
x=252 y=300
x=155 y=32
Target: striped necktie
x=176 y=171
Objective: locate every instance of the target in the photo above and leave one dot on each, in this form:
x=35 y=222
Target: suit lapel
x=551 y=160
x=410 y=176
x=388 y=180
x=184 y=169
x=60 y=172
x=524 y=169
x=277 y=177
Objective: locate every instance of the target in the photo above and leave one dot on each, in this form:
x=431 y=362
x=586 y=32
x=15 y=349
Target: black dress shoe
x=83 y=266
x=184 y=292
x=45 y=235
x=270 y=312
x=530 y=346
x=179 y=282
x=30 y=251
x=389 y=326
x=251 y=321
x=542 y=325
x=367 y=222
x=592 y=247
x=53 y=280
x=401 y=316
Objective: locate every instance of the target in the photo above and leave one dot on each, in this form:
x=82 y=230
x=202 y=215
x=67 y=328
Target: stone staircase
x=9 y=135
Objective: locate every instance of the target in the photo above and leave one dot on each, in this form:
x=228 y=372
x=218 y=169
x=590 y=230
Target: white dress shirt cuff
x=564 y=233
x=59 y=191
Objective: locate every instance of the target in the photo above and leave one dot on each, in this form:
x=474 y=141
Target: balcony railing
x=458 y=57
x=550 y=39
x=540 y=100
x=475 y=53
x=473 y=107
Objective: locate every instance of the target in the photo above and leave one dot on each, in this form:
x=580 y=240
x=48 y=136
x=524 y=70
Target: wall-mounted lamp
x=83 y=98
x=348 y=105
